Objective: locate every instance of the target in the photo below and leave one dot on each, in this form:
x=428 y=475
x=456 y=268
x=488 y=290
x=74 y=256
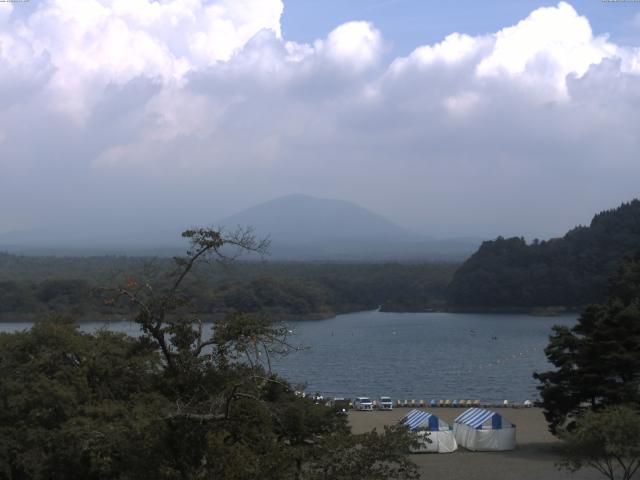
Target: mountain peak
x=300 y=218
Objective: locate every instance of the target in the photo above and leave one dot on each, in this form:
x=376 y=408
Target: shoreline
x=311 y=317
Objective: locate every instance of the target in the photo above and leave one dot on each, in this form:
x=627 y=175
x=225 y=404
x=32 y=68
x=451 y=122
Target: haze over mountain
x=299 y=218
x=299 y=226
x=304 y=227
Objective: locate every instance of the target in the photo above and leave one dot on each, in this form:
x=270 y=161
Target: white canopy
x=433 y=434
x=483 y=430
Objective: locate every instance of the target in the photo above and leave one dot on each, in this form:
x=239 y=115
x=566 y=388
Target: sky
x=450 y=118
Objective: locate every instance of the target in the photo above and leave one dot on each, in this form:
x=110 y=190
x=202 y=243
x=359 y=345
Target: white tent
x=484 y=430
x=433 y=434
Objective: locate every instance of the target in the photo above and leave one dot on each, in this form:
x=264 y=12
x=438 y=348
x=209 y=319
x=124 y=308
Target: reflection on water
x=411 y=355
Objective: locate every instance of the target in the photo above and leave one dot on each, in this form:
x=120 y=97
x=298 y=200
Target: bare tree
x=164 y=312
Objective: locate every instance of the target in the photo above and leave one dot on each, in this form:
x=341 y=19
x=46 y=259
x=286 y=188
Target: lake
x=411 y=355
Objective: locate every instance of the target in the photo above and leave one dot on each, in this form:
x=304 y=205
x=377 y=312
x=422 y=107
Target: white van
x=363 y=403
x=385 y=403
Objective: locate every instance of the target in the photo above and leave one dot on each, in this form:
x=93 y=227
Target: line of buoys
x=515 y=356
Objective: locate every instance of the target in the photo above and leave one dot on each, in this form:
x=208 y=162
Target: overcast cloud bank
x=122 y=113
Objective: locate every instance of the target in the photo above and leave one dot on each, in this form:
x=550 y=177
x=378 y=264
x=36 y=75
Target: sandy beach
x=533 y=459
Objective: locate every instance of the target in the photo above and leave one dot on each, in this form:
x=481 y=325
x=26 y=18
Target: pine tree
x=598 y=360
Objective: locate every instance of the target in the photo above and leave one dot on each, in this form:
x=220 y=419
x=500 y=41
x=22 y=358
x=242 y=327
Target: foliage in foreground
x=176 y=403
x=607 y=441
x=598 y=360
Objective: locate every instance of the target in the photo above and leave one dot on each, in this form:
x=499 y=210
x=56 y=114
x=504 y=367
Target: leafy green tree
x=607 y=441
x=598 y=360
x=73 y=405
x=229 y=404
x=343 y=457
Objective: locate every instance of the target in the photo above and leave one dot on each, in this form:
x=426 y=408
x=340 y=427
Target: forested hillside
x=570 y=271
x=40 y=285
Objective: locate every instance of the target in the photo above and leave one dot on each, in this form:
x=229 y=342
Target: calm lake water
x=411 y=355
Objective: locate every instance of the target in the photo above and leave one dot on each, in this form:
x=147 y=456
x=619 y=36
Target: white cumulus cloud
x=547 y=46
x=93 y=43
x=356 y=45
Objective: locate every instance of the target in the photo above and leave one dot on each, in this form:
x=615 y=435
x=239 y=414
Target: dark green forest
x=571 y=271
x=39 y=285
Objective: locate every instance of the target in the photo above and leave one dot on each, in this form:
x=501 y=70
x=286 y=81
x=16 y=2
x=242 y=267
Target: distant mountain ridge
x=301 y=228
x=308 y=228
x=570 y=271
x=299 y=218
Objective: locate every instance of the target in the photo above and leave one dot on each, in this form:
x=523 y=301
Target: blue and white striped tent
x=484 y=430
x=420 y=420
x=433 y=434
x=476 y=418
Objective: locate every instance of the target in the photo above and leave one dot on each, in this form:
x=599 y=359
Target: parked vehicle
x=340 y=404
x=385 y=403
x=363 y=403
